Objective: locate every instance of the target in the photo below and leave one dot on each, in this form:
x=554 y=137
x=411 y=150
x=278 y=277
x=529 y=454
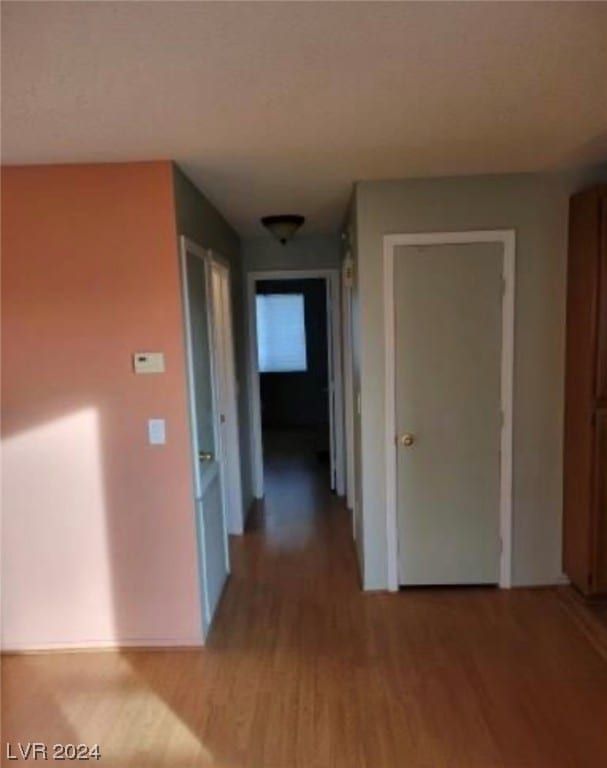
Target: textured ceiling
x=279 y=107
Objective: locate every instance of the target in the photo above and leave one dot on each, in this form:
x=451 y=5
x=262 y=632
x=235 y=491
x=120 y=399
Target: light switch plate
x=156 y=431
x=148 y=362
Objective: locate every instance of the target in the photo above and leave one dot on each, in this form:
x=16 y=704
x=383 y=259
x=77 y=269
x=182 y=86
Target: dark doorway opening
x=294 y=371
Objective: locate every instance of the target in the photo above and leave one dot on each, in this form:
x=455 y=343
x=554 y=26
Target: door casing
x=507 y=239
x=332 y=279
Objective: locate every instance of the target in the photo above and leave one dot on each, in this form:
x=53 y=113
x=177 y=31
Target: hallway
x=303 y=670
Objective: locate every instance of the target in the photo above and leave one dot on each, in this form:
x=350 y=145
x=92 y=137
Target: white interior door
x=227 y=396
x=205 y=433
x=448 y=315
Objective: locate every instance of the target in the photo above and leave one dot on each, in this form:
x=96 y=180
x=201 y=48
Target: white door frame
x=508 y=240
x=331 y=276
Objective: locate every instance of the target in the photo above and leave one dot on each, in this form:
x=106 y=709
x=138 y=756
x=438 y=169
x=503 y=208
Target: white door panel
x=204 y=422
x=227 y=397
x=448 y=333
x=209 y=508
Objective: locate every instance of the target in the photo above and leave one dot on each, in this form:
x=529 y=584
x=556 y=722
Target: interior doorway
x=296 y=372
x=449 y=331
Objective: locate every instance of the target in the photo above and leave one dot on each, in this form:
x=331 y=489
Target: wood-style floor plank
x=304 y=670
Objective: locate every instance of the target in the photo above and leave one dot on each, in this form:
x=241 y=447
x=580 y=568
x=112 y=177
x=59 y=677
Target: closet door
x=585 y=466
x=601 y=363
x=581 y=380
x=599 y=577
x=213 y=556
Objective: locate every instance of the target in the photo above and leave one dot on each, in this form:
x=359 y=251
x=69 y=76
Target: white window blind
x=281 y=332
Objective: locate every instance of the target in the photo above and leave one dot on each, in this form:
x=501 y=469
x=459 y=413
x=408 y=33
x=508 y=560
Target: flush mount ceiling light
x=283 y=227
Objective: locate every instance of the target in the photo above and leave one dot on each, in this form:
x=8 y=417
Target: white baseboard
x=548 y=581
x=59 y=646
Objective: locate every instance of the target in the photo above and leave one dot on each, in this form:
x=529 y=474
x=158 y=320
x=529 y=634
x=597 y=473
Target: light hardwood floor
x=303 y=670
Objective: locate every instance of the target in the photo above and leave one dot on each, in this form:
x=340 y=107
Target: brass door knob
x=407 y=439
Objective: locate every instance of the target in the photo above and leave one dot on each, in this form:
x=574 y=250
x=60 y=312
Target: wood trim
x=580 y=389
x=590 y=619
x=598 y=582
x=507 y=238
x=601 y=340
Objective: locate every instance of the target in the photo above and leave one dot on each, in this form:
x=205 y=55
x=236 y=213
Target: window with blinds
x=281 y=333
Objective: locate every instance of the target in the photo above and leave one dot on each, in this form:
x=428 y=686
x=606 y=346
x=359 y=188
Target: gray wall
x=350 y=248
x=312 y=252
x=201 y=222
x=536 y=206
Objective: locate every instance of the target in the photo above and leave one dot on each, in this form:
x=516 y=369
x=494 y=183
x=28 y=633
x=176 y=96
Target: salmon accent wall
x=99 y=543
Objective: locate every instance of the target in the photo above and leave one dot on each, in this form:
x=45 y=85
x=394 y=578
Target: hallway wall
x=99 y=543
x=350 y=249
x=536 y=206
x=201 y=222
x=303 y=252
